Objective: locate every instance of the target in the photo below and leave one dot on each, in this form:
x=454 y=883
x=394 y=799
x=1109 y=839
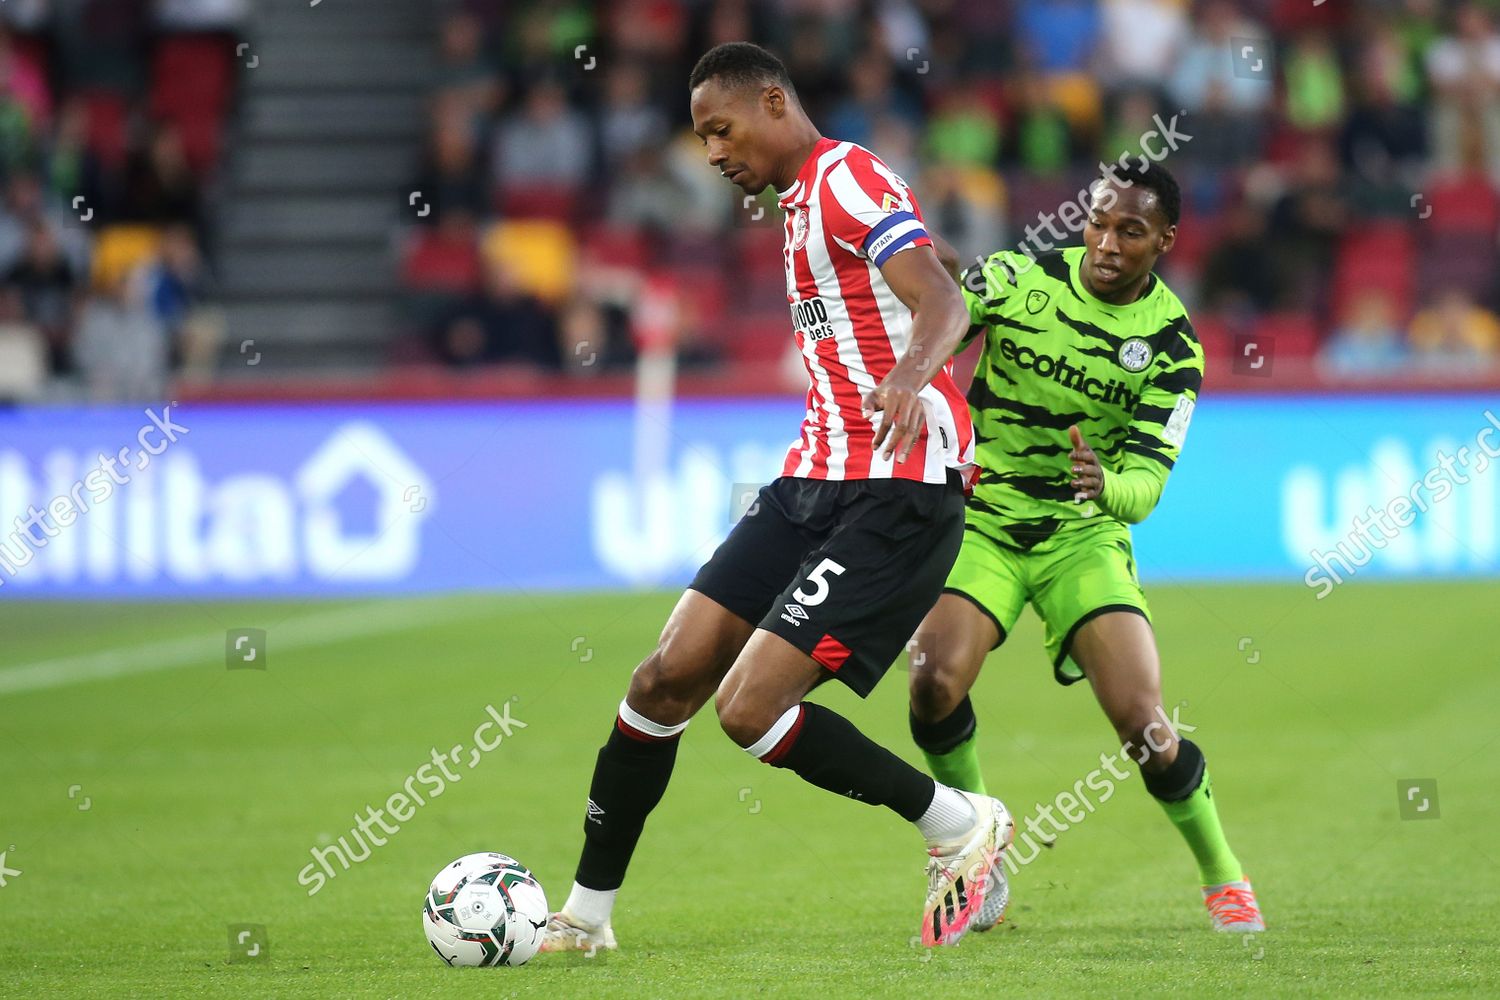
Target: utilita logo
x=175 y=522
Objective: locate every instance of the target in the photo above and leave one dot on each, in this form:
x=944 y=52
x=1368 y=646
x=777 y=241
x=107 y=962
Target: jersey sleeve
x=1158 y=428
x=986 y=287
x=870 y=211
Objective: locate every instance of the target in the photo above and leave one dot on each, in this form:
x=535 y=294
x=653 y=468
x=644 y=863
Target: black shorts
x=844 y=571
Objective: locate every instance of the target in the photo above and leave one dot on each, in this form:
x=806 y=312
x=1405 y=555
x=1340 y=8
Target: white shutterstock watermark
x=18 y=548
x=403 y=805
x=1074 y=214
x=1376 y=528
x=1075 y=804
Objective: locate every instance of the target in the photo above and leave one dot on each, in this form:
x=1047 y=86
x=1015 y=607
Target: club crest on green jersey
x=1036 y=301
x=1135 y=354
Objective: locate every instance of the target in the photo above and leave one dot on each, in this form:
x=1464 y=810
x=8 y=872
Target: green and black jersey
x=1054 y=356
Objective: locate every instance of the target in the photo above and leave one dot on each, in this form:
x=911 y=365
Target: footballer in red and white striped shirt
x=831 y=570
x=848 y=216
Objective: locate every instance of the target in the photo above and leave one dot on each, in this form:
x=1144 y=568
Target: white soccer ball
x=485 y=909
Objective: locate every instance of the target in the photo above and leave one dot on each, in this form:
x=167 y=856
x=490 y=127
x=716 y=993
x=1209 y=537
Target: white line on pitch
x=321 y=629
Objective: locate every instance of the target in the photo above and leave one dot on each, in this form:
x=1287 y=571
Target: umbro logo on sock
x=595 y=812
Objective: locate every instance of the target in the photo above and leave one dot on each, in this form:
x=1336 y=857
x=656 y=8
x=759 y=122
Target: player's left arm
x=1158 y=429
x=939 y=320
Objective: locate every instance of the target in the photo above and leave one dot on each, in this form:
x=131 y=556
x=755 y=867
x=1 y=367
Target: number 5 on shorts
x=816 y=578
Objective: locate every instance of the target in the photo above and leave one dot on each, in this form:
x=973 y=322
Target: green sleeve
x=1132 y=493
x=1158 y=427
x=985 y=289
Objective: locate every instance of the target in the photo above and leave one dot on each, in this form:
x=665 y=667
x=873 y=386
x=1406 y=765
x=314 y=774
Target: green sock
x=958 y=767
x=1197 y=819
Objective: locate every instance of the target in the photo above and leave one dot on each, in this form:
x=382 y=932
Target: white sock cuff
x=635 y=720
x=591 y=906
x=782 y=726
x=949 y=816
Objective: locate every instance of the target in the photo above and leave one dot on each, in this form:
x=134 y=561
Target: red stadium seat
x=1195 y=238
x=559 y=203
x=615 y=246
x=758 y=337
x=758 y=255
x=192 y=81
x=1464 y=203
x=1295 y=334
x=1465 y=260
x=1377 y=255
x=1213 y=333
x=192 y=74
x=435 y=262
x=108 y=116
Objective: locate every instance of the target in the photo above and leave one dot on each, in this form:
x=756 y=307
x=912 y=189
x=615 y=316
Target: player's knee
x=742 y=720
x=669 y=686
x=1145 y=733
x=936 y=685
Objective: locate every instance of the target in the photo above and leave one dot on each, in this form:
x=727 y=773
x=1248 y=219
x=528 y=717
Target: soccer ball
x=485 y=909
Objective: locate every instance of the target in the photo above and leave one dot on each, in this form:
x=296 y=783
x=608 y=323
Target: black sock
x=629 y=780
x=945 y=734
x=825 y=749
x=1181 y=778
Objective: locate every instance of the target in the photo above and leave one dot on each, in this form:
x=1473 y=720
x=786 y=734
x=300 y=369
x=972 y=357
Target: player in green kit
x=1081 y=403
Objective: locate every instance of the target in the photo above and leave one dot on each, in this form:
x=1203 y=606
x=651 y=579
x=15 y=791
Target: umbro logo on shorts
x=595 y=812
x=795 y=614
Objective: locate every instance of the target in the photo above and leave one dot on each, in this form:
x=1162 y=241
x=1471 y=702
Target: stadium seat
x=1195 y=238
x=1077 y=96
x=1465 y=203
x=757 y=337
x=192 y=80
x=119 y=250
x=1375 y=255
x=615 y=246
x=540 y=254
x=1213 y=333
x=1465 y=260
x=108 y=129
x=557 y=203
x=436 y=261
x=1295 y=334
x=192 y=73
x=757 y=254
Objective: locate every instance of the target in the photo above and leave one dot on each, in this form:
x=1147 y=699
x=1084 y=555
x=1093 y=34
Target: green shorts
x=1069 y=579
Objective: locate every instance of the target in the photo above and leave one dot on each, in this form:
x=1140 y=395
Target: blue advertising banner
x=282 y=500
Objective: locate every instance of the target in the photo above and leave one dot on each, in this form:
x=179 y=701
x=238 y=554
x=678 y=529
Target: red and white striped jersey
x=846 y=215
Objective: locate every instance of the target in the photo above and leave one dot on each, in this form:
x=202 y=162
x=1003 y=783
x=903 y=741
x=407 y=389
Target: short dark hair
x=1156 y=178
x=740 y=64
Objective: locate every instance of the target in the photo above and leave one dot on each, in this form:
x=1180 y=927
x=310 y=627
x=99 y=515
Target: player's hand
x=1088 y=474
x=904 y=416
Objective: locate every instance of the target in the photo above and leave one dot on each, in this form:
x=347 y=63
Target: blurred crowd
x=1339 y=166
x=111 y=119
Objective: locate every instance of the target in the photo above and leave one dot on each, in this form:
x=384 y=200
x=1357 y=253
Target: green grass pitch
x=152 y=798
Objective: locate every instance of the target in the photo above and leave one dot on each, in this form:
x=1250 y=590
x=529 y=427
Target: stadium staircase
x=329 y=130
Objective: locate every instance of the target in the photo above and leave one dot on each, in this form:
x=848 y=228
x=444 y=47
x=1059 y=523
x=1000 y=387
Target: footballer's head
x=746 y=112
x=1133 y=214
